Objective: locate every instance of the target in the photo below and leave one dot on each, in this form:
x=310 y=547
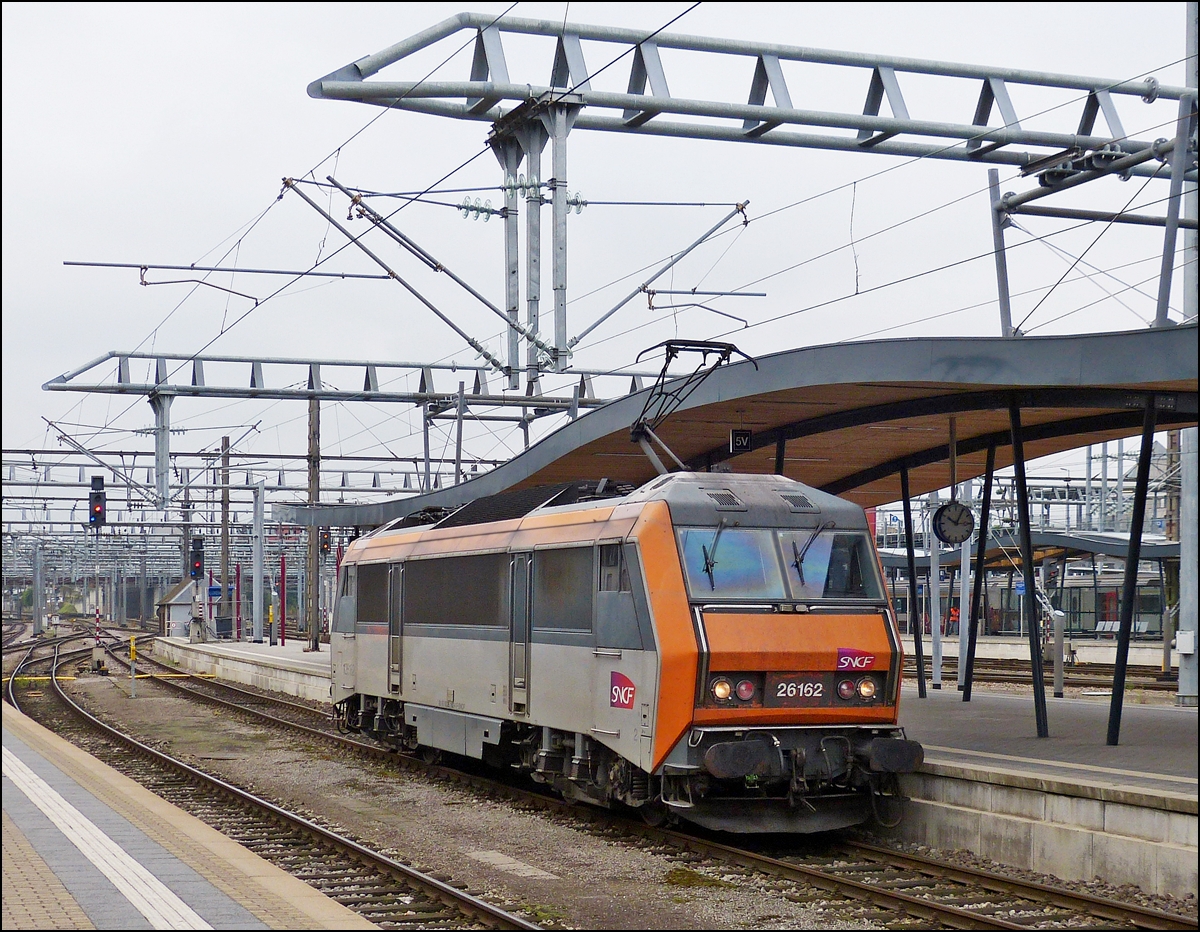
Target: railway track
x=898 y=890
x=381 y=889
x=912 y=892
x=14 y=632
x=1086 y=676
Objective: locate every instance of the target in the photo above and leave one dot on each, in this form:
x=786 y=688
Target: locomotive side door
x=521 y=571
x=395 y=627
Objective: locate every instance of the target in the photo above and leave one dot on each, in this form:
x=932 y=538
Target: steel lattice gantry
x=527 y=114
x=640 y=109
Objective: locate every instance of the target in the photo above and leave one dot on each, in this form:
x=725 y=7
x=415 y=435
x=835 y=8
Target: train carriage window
x=823 y=564
x=471 y=590
x=562 y=589
x=372 y=593
x=731 y=563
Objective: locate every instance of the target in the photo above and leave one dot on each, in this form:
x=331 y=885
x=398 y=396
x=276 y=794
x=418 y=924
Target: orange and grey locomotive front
x=711 y=647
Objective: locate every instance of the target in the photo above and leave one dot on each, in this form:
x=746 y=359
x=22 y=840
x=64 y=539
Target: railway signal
x=196 y=561
x=326 y=541
x=97 y=504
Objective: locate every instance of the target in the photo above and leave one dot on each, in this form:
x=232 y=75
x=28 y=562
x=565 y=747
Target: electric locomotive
x=711 y=647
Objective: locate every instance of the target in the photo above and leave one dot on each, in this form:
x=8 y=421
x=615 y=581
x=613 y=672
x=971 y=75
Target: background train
x=713 y=647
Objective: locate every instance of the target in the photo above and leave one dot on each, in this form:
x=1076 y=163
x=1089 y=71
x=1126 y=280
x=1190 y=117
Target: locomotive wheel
x=654 y=814
x=431 y=755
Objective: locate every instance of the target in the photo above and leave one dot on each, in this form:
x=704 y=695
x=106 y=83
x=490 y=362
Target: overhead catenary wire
x=875 y=288
x=1175 y=268
x=859 y=240
x=1107 y=227
x=988 y=303
x=909 y=278
x=1066 y=256
x=853 y=242
x=283 y=287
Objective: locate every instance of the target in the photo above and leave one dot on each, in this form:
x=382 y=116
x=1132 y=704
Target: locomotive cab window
x=826 y=564
x=731 y=563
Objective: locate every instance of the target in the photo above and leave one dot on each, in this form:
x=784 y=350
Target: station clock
x=953 y=523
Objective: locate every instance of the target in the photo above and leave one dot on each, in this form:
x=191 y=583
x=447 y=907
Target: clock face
x=953 y=523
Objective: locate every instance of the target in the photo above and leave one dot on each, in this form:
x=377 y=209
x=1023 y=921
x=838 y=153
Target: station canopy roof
x=1004 y=549
x=851 y=415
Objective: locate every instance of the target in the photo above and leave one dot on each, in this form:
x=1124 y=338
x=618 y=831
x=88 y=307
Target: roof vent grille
x=723 y=498
x=798 y=502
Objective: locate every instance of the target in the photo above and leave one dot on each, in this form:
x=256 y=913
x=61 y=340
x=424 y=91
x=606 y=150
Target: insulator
x=575 y=200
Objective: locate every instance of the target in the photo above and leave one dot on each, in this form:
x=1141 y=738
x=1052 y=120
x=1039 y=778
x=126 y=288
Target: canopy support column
x=1129 y=592
x=1031 y=600
x=980 y=572
x=914 y=610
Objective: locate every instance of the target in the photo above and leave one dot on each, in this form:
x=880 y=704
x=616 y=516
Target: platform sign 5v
x=740 y=440
x=621 y=691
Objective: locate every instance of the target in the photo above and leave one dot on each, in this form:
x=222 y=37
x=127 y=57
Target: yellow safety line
x=171 y=676
x=140 y=676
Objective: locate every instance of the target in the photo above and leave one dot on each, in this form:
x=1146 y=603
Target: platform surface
x=86 y=847
x=292 y=655
x=996 y=731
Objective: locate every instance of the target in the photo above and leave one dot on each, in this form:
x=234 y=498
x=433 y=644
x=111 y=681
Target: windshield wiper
x=799 y=554
x=710 y=556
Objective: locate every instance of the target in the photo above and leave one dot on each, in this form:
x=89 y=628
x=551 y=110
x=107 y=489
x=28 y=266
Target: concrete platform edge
x=1132 y=796
x=1070 y=836
x=276 y=675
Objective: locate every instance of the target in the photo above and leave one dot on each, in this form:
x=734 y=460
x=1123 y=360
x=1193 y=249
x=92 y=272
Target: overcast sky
x=158 y=133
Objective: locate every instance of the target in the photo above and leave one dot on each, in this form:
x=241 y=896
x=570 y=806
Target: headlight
x=722 y=689
x=745 y=690
x=866 y=688
x=846 y=689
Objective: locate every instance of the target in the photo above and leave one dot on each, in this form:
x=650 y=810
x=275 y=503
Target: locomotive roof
x=694 y=498
x=708 y=498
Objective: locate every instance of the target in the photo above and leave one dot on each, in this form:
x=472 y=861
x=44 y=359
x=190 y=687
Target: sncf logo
x=851 y=658
x=621 y=691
